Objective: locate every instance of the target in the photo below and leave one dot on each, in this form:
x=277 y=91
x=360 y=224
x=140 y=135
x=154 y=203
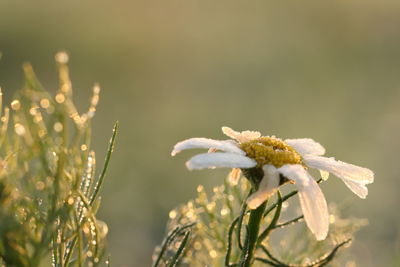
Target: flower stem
x=253 y=228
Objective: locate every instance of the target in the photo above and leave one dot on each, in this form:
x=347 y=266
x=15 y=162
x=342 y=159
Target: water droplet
x=66 y=87
x=62 y=57
x=96 y=89
x=213 y=254
x=44 y=103
x=38 y=118
x=211 y=206
x=172 y=214
x=19 y=129
x=70 y=200
x=15 y=104
x=197 y=245
x=224 y=211
x=58 y=127
x=60 y=98
x=84 y=147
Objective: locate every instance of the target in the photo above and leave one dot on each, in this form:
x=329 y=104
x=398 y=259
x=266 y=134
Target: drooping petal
x=357 y=188
x=306 y=146
x=200 y=142
x=241 y=137
x=220 y=159
x=340 y=169
x=312 y=200
x=268 y=186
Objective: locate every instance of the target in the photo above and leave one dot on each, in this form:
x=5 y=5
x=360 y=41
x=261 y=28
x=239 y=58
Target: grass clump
x=49 y=195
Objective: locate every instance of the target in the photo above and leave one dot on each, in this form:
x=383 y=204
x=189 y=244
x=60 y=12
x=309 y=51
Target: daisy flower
x=269 y=162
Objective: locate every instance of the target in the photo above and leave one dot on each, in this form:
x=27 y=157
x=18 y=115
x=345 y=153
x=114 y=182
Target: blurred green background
x=169 y=70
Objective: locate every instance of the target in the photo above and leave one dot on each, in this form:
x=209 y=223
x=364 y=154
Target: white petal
x=268 y=186
x=241 y=137
x=357 y=188
x=306 y=146
x=312 y=200
x=340 y=169
x=199 y=142
x=220 y=159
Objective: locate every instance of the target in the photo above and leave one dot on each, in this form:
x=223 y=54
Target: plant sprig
x=47 y=195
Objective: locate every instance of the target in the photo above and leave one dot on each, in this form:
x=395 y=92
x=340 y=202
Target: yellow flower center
x=270 y=150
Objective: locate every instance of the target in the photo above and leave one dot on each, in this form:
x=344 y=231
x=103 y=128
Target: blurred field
x=172 y=70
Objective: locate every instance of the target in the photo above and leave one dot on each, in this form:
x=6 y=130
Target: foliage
x=218 y=232
x=49 y=195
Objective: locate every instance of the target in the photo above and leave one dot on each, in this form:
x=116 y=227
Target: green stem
x=275 y=219
x=243 y=212
x=252 y=236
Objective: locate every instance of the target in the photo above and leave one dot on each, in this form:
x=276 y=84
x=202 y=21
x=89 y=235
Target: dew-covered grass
x=50 y=184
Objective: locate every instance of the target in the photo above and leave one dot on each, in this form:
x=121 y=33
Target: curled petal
x=268 y=186
x=241 y=137
x=340 y=169
x=357 y=188
x=306 y=146
x=312 y=200
x=199 y=142
x=219 y=159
